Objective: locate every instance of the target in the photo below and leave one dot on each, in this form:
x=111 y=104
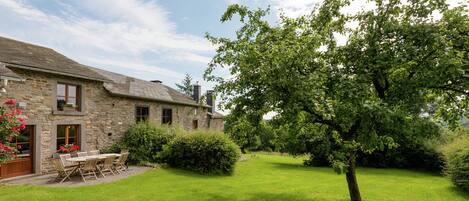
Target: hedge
x=202 y=151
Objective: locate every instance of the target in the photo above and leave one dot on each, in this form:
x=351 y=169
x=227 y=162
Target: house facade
x=65 y=102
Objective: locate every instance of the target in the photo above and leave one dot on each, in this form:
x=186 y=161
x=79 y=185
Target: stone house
x=65 y=102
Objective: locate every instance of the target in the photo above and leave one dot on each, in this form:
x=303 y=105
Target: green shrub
x=409 y=154
x=115 y=148
x=145 y=139
x=457 y=156
x=205 y=152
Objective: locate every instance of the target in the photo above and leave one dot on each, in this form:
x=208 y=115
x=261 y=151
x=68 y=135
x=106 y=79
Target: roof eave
x=157 y=100
x=33 y=68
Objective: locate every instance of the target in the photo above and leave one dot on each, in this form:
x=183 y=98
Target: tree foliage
x=186 y=85
x=251 y=134
x=399 y=63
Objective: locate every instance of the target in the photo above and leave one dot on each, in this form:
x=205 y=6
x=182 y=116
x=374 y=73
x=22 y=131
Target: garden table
x=83 y=159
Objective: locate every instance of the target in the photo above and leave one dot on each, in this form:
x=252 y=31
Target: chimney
x=196 y=92
x=156 y=81
x=211 y=100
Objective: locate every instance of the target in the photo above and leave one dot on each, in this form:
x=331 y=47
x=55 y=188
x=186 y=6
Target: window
x=22 y=142
x=167 y=116
x=68 y=97
x=195 y=124
x=142 y=113
x=67 y=134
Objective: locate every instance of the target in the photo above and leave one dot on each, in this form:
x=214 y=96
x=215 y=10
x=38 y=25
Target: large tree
x=399 y=64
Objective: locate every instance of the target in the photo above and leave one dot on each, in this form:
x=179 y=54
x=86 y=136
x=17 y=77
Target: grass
x=263 y=177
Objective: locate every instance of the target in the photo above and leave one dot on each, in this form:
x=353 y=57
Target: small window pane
x=167 y=116
x=72 y=91
x=61 y=132
x=72 y=130
x=71 y=141
x=60 y=142
x=72 y=101
x=62 y=137
x=142 y=113
x=61 y=90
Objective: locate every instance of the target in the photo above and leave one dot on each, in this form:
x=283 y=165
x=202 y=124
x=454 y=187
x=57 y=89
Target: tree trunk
x=353 y=189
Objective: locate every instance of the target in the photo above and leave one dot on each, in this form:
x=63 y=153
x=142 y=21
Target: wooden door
x=23 y=163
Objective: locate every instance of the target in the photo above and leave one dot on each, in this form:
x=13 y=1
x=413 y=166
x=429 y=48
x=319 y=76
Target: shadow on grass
x=188 y=173
x=297 y=166
x=459 y=192
x=361 y=170
x=263 y=196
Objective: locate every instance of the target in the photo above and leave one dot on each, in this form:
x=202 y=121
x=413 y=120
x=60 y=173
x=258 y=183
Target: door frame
x=37 y=165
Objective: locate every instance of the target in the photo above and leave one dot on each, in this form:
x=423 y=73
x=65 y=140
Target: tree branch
x=320 y=119
x=450 y=89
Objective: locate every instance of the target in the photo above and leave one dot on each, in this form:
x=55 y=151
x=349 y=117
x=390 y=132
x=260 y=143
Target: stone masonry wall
x=103 y=121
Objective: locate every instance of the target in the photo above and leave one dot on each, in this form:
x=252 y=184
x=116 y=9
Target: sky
x=146 y=39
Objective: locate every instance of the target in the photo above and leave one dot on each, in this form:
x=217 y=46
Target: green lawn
x=263 y=177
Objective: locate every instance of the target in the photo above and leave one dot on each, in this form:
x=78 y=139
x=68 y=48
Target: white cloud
x=107 y=32
x=295 y=8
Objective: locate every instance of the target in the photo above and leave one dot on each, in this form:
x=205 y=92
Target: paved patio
x=49 y=179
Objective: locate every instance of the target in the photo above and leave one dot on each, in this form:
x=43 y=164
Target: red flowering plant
x=68 y=148
x=10 y=126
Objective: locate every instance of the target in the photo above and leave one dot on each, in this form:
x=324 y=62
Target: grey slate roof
x=126 y=86
x=18 y=54
x=33 y=57
x=7 y=73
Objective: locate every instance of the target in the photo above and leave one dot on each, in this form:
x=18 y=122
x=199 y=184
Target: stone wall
x=217 y=124
x=104 y=118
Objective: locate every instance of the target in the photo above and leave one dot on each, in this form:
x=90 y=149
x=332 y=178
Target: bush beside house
x=202 y=151
x=145 y=140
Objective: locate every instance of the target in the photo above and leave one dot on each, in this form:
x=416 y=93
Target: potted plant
x=60 y=105
x=66 y=149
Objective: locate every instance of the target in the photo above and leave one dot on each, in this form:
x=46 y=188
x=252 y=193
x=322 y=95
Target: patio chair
x=120 y=164
x=63 y=159
x=108 y=166
x=88 y=170
x=63 y=172
x=81 y=154
x=93 y=153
